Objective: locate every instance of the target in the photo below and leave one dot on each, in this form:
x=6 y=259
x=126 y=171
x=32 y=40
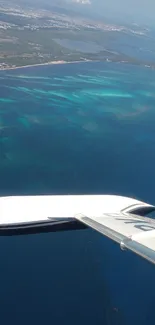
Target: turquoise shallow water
x=76 y=128
x=61 y=123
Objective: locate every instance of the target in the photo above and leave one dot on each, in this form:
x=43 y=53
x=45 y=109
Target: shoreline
x=59 y=62
x=46 y=63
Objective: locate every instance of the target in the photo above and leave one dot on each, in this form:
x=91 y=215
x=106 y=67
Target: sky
x=140 y=10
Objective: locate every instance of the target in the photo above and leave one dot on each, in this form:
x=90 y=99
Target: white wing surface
x=119 y=218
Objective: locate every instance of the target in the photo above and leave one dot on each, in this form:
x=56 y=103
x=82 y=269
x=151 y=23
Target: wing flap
x=130 y=231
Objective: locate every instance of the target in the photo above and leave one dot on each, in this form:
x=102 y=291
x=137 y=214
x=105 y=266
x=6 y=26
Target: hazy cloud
x=143 y=10
x=84 y=2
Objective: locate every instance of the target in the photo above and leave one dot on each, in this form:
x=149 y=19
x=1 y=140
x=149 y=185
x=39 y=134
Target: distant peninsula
x=34 y=36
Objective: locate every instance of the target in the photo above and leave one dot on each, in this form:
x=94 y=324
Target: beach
x=42 y=64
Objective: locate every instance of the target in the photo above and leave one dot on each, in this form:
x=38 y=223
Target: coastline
x=69 y=62
x=46 y=63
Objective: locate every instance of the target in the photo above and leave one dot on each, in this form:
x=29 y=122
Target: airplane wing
x=119 y=218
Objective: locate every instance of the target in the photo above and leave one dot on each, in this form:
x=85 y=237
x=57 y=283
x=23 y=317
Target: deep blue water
x=78 y=128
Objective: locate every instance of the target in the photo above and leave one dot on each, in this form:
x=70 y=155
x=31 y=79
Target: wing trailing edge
x=130 y=231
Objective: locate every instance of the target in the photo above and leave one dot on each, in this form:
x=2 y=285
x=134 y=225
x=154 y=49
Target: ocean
x=80 y=128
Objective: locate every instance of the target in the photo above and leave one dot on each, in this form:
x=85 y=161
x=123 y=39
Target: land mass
x=32 y=36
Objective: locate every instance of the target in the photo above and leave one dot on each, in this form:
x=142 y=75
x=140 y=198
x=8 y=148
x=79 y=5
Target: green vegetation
x=21 y=45
x=24 y=47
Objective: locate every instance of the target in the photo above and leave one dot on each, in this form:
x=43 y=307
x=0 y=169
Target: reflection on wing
x=132 y=232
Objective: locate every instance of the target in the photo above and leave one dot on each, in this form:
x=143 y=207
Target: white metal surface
x=112 y=216
x=20 y=209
